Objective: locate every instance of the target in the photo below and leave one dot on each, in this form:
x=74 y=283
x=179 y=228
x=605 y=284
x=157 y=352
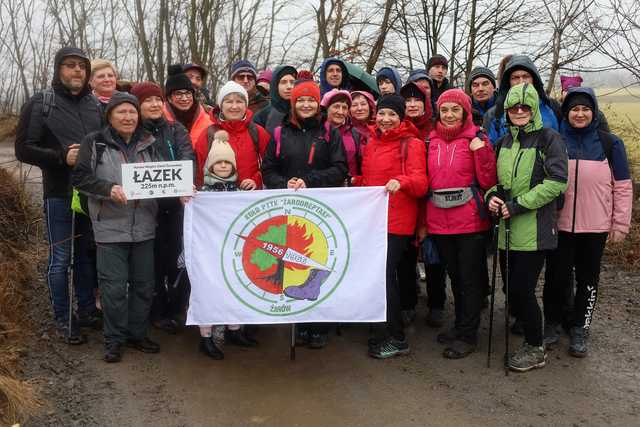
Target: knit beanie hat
x=144 y=90
x=265 y=76
x=177 y=80
x=242 y=66
x=305 y=88
x=570 y=81
x=121 y=98
x=232 y=87
x=392 y=102
x=203 y=71
x=412 y=90
x=577 y=99
x=335 y=95
x=305 y=75
x=220 y=151
x=481 y=72
x=437 y=59
x=458 y=96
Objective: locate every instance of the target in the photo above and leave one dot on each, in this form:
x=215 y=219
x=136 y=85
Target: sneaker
x=578 y=343
x=550 y=334
x=302 y=337
x=208 y=346
x=458 y=349
x=112 y=353
x=527 y=357
x=389 y=348
x=318 y=341
x=237 y=337
x=73 y=336
x=517 y=328
x=144 y=345
x=408 y=316
x=448 y=336
x=435 y=318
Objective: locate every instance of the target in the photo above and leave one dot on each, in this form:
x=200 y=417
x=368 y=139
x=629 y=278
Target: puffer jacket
x=44 y=140
x=383 y=159
x=600 y=192
x=532 y=169
x=247 y=158
x=452 y=164
x=113 y=222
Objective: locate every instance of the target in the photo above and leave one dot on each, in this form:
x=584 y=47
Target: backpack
x=253 y=133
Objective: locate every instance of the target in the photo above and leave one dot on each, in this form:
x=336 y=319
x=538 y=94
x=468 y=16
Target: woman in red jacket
x=418 y=109
x=248 y=140
x=394 y=158
x=462 y=166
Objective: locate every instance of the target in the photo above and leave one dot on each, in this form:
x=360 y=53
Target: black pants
x=396 y=246
x=524 y=269
x=169 y=301
x=408 y=278
x=436 y=285
x=465 y=258
x=584 y=252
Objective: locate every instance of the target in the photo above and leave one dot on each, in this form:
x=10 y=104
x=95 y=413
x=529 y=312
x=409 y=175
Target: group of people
x=496 y=160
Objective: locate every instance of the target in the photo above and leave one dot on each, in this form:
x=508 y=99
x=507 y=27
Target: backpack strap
x=277 y=135
x=48 y=101
x=255 y=137
x=606 y=140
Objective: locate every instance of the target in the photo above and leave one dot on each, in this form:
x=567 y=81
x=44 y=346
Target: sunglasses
x=73 y=65
x=247 y=77
x=519 y=108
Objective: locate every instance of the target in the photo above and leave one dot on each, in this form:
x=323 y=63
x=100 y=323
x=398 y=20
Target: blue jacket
x=391 y=74
x=324 y=85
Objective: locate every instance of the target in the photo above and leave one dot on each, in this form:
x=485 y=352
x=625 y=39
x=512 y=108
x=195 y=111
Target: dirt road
x=340 y=385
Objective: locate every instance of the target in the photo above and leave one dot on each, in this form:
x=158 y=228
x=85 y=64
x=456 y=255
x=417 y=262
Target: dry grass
x=8 y=123
x=18 y=398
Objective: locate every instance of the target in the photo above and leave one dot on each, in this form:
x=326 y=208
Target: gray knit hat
x=480 y=72
x=121 y=98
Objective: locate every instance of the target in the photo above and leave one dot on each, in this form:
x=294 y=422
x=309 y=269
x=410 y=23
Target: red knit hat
x=305 y=75
x=304 y=88
x=144 y=90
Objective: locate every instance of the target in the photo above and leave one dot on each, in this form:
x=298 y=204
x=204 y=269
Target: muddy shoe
x=408 y=316
x=208 y=346
x=170 y=326
x=90 y=319
x=144 y=345
x=435 y=318
x=578 y=343
x=318 y=341
x=527 y=357
x=71 y=337
x=112 y=353
x=458 y=349
x=550 y=334
x=517 y=328
x=448 y=336
x=237 y=337
x=389 y=348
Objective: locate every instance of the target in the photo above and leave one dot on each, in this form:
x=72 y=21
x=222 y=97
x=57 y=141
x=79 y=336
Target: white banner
x=284 y=256
x=157 y=179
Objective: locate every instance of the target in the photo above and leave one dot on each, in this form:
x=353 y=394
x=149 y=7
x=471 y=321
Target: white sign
x=157 y=179
x=284 y=256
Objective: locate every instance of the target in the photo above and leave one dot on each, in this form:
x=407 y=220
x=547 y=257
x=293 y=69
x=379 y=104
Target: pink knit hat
x=334 y=94
x=265 y=76
x=570 y=81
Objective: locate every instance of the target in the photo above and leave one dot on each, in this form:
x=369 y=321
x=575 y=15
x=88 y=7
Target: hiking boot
x=527 y=357
x=318 y=341
x=458 y=349
x=144 y=345
x=90 y=319
x=435 y=318
x=71 y=337
x=302 y=337
x=208 y=346
x=550 y=334
x=389 y=348
x=517 y=328
x=112 y=353
x=578 y=343
x=448 y=336
x=237 y=337
x=408 y=316
x=170 y=326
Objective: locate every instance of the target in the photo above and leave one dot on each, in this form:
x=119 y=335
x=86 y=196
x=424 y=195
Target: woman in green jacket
x=532 y=174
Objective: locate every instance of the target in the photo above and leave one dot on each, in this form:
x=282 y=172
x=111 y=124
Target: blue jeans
x=57 y=212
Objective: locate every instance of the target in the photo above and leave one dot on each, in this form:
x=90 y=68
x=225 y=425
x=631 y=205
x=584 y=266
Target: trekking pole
x=507 y=244
x=292 y=351
x=70 y=271
x=496 y=231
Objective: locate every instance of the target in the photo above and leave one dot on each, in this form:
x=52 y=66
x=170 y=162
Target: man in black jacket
x=52 y=124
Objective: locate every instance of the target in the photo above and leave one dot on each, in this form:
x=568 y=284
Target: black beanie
x=578 y=99
x=393 y=102
x=437 y=59
x=121 y=98
x=176 y=80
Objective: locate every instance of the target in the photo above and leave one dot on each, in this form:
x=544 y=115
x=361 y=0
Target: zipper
x=311 y=153
x=515 y=169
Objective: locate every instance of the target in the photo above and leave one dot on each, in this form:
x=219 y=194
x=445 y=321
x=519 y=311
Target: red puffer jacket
x=242 y=144
x=451 y=164
x=383 y=160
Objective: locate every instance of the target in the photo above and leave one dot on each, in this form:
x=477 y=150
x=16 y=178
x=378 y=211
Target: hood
x=526 y=94
x=277 y=101
x=370 y=100
x=391 y=74
x=518 y=62
x=60 y=56
x=412 y=87
x=324 y=85
x=406 y=129
x=572 y=93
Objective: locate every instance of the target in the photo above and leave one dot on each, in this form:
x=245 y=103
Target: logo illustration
x=285 y=254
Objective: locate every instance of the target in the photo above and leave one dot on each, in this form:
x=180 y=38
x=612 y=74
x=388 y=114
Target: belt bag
x=451 y=197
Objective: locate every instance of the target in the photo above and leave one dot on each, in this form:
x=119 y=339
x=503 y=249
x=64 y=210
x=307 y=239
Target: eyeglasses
x=73 y=65
x=182 y=94
x=519 y=108
x=247 y=77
